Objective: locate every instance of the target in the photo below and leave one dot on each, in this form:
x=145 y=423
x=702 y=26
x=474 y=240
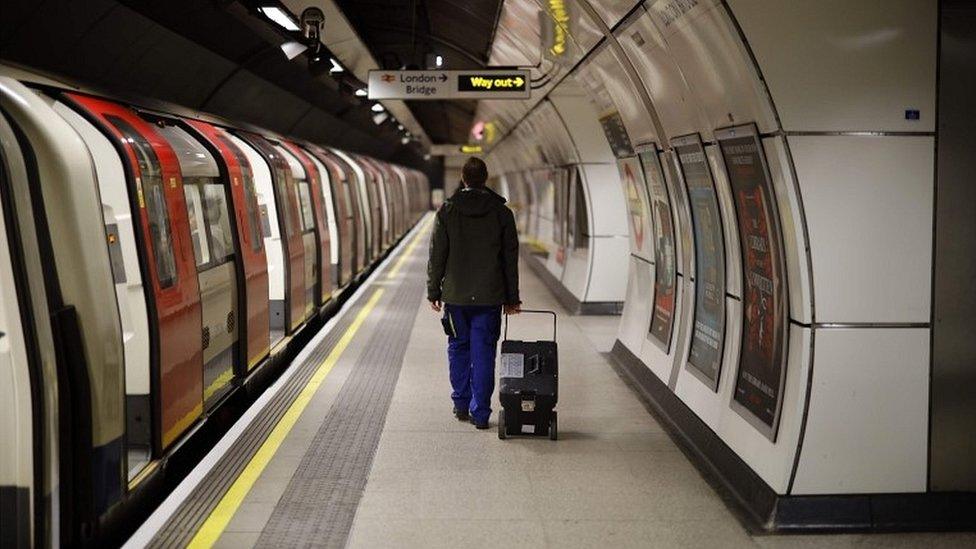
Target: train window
x=305 y=198
x=198 y=227
x=254 y=213
x=150 y=184
x=218 y=221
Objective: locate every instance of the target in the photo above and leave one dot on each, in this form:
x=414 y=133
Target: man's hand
x=436 y=305
x=513 y=309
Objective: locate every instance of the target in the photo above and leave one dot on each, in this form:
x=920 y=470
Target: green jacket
x=474 y=251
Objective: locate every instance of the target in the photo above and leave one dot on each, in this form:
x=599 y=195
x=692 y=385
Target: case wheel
x=501 y=425
x=552 y=427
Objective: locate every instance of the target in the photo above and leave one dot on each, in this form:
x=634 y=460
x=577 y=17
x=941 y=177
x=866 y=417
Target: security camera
x=312 y=20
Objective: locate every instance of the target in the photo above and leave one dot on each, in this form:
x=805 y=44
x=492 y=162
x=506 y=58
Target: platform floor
x=376 y=459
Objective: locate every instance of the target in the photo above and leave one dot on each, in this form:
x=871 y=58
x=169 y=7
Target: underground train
x=156 y=265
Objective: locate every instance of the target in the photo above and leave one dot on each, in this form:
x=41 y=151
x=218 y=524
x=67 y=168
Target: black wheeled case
x=529 y=385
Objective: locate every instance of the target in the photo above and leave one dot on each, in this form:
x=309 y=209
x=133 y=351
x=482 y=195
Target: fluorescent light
x=362 y=92
x=379 y=118
x=293 y=49
x=377 y=107
x=336 y=67
x=438 y=60
x=279 y=16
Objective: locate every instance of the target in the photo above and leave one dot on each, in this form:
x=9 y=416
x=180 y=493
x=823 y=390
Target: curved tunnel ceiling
x=214 y=57
x=401 y=33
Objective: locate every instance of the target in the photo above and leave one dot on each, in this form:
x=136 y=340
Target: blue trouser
x=472 y=356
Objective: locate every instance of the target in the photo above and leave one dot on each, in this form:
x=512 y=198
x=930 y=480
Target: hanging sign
x=454 y=84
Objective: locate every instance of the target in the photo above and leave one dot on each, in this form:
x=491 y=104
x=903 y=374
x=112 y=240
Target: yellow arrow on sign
x=519 y=81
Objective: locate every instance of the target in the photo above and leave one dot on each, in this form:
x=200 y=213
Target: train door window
x=149 y=186
x=198 y=227
x=256 y=221
x=305 y=200
x=217 y=215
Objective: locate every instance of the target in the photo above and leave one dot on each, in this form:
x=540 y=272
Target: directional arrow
x=519 y=81
x=443 y=77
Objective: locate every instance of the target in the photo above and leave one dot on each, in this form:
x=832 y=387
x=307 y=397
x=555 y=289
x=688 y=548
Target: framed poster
x=665 y=258
x=762 y=363
x=616 y=132
x=635 y=192
x=708 y=337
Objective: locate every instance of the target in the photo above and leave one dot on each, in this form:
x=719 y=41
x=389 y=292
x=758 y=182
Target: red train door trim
x=321 y=222
x=175 y=343
x=253 y=265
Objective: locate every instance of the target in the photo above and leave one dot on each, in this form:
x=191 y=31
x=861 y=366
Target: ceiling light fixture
x=377 y=107
x=336 y=67
x=280 y=17
x=379 y=118
x=293 y=49
x=404 y=140
x=362 y=92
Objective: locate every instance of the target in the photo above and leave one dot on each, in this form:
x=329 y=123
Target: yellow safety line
x=182 y=424
x=214 y=526
x=218 y=383
x=406 y=253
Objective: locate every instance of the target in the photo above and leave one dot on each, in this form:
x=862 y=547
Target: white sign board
x=455 y=84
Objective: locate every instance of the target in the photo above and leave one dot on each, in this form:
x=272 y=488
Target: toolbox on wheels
x=529 y=385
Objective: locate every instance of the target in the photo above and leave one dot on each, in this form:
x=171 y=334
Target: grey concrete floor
x=614 y=479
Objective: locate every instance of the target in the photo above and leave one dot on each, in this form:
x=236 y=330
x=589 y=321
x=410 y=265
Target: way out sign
x=457 y=84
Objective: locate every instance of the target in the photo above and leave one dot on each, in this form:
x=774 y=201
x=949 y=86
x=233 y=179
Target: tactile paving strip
x=320 y=502
x=179 y=530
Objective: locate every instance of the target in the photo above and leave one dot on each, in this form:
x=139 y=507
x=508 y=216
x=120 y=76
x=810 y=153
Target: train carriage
x=160 y=260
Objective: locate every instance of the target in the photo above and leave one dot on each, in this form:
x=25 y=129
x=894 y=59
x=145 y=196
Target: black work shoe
x=479 y=426
x=461 y=415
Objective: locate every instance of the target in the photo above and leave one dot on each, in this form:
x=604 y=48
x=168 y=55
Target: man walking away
x=472 y=274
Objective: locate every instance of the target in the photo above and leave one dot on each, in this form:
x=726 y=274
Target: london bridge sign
x=454 y=84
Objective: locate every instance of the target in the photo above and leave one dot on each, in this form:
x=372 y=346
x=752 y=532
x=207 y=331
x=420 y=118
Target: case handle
x=535 y=311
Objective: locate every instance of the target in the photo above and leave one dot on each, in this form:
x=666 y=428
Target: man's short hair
x=475 y=172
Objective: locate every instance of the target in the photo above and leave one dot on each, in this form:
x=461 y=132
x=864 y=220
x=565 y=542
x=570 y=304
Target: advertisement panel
x=762 y=364
x=665 y=260
x=637 y=206
x=705 y=357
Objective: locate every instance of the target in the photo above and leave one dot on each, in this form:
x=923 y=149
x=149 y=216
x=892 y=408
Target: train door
x=120 y=226
x=403 y=190
x=381 y=182
x=346 y=219
x=274 y=245
x=346 y=190
x=324 y=197
x=288 y=313
x=377 y=207
x=214 y=251
x=357 y=187
x=253 y=269
x=310 y=193
x=155 y=191
x=298 y=184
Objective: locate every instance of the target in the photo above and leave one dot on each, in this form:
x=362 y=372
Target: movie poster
x=637 y=207
x=665 y=260
x=705 y=358
x=762 y=364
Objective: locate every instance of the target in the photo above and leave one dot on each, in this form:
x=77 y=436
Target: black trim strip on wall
x=763 y=510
